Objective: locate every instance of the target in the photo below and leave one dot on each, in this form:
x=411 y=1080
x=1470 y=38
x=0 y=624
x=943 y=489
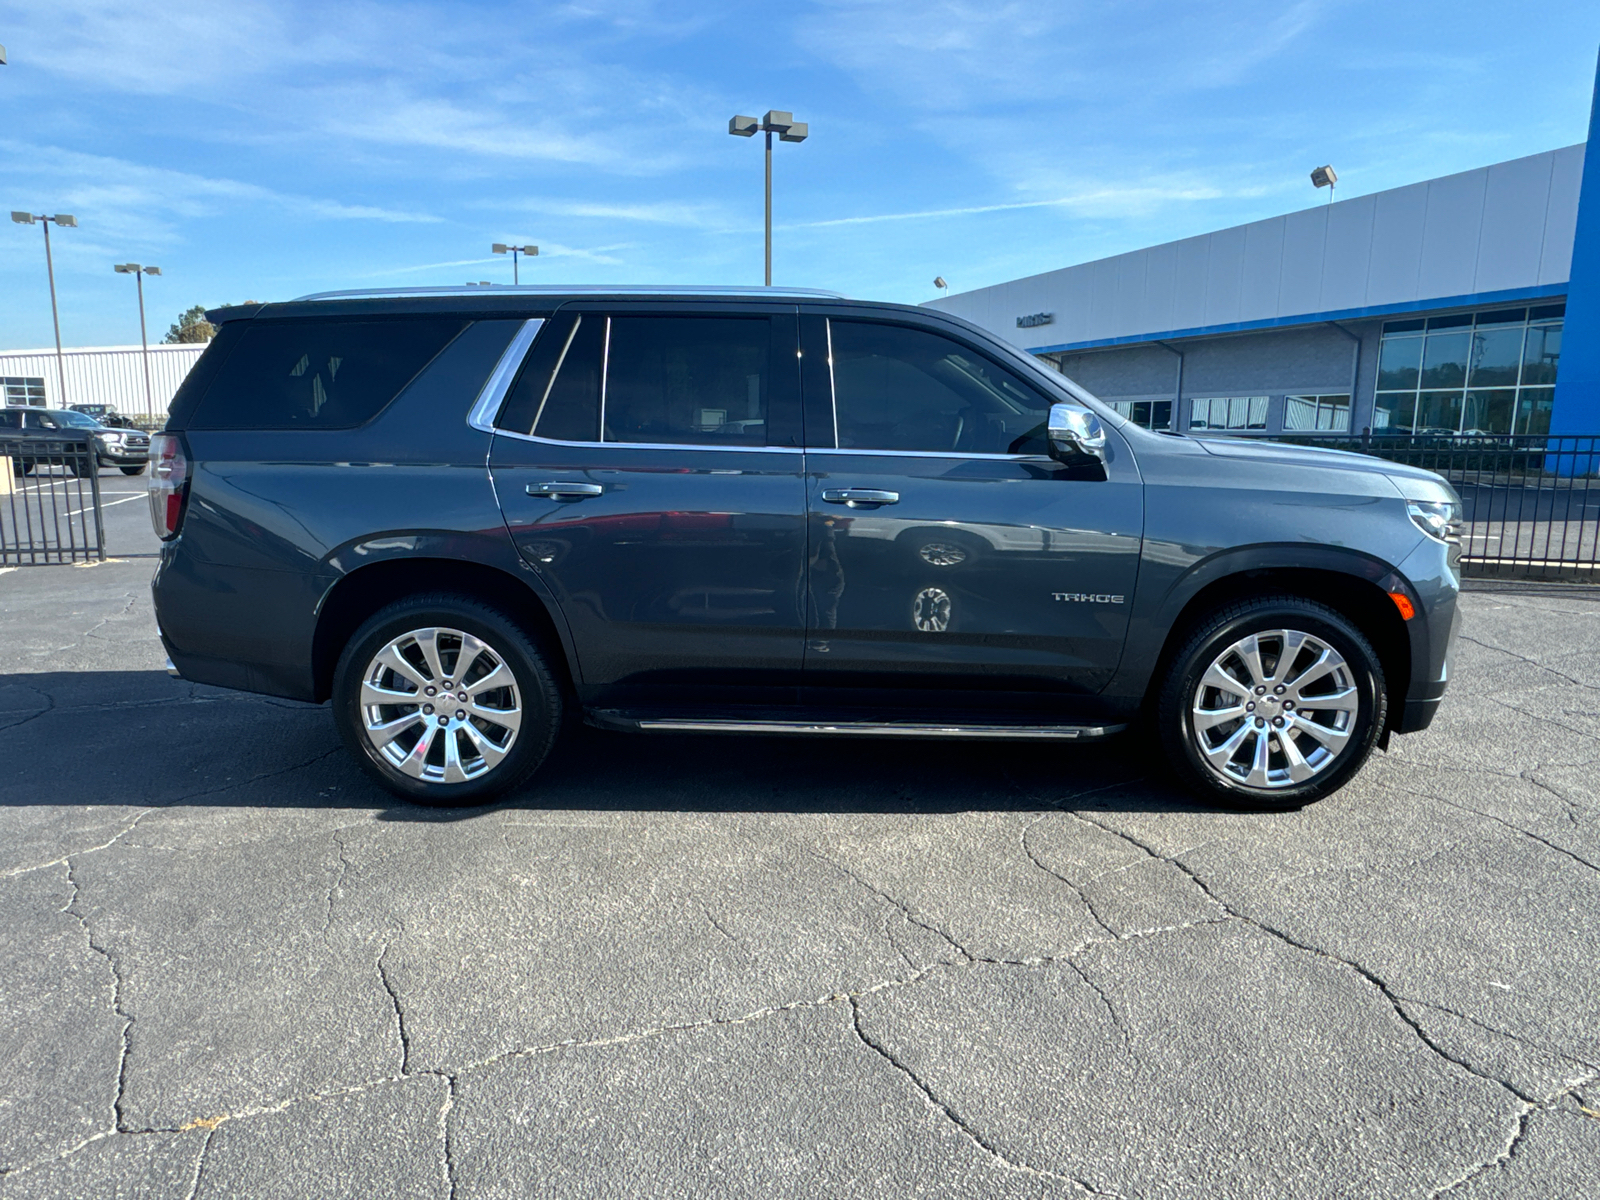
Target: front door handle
x=855 y=496
x=565 y=491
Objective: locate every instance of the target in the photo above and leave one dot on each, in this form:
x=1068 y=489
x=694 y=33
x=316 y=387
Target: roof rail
x=586 y=289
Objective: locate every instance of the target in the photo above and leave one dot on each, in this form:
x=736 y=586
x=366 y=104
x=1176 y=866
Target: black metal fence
x=1531 y=503
x=50 y=501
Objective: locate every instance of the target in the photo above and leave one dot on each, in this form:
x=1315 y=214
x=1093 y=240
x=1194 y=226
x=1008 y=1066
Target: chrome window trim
x=808 y=450
x=556 y=373
x=528 y=437
x=487 y=406
x=962 y=454
x=605 y=376
x=833 y=392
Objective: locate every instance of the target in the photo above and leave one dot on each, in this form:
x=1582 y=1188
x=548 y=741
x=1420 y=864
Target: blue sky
x=264 y=150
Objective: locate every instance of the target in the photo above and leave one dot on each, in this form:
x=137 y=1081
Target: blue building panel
x=1577 y=403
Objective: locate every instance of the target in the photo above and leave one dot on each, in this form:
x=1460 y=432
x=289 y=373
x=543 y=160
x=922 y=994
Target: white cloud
x=150 y=202
x=472 y=81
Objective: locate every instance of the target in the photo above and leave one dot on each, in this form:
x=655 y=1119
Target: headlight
x=1439 y=519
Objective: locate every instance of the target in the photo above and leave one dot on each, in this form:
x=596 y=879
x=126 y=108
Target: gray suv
x=468 y=516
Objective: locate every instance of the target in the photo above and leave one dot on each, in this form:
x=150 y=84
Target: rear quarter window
x=319 y=374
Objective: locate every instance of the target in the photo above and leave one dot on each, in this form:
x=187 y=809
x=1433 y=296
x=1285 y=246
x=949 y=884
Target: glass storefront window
x=1439 y=412
x=1322 y=413
x=1394 y=412
x=1151 y=414
x=1444 y=360
x=1533 y=409
x=1541 y=354
x=1399 y=364
x=1228 y=413
x=1507 y=357
x=1496 y=355
x=1489 y=411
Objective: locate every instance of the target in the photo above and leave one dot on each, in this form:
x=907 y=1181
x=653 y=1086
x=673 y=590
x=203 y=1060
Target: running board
x=913 y=729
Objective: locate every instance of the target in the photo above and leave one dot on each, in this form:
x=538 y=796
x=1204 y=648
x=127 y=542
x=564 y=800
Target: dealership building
x=113 y=375
x=1468 y=303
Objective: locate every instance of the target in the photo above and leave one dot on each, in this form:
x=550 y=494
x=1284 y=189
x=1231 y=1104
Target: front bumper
x=1433 y=573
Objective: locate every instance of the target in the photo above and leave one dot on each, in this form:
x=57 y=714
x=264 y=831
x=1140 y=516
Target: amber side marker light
x=1407 y=609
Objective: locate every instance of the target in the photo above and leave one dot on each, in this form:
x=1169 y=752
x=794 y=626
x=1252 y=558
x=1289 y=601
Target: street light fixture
x=938 y=282
x=66 y=221
x=514 y=251
x=1325 y=177
x=788 y=130
x=139 y=272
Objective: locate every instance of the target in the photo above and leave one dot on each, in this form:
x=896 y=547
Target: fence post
x=94 y=490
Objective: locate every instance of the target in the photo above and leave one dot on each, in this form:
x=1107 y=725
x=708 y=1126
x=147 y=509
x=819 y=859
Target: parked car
x=128 y=450
x=31 y=439
x=106 y=414
x=465 y=515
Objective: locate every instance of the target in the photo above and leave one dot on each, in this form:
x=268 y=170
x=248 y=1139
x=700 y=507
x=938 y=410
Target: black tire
x=1229 y=782
x=536 y=690
x=139 y=470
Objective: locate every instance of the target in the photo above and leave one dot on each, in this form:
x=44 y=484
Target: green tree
x=192 y=326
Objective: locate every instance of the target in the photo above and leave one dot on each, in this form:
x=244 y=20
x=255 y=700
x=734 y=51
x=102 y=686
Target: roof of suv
x=495 y=299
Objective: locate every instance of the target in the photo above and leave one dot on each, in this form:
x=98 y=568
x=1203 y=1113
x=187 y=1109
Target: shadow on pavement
x=141 y=738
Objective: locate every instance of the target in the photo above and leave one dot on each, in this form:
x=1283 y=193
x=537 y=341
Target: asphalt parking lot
x=688 y=966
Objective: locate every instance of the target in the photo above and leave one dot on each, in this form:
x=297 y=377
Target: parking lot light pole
x=502 y=248
x=788 y=130
x=138 y=272
x=66 y=221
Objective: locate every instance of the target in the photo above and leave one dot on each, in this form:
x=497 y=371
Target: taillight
x=169 y=483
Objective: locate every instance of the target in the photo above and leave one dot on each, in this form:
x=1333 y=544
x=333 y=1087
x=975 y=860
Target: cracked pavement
x=736 y=967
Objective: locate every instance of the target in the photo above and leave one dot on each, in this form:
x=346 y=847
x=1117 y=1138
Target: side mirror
x=1075 y=434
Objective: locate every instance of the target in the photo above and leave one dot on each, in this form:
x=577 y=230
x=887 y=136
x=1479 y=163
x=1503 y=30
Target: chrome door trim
x=881 y=729
x=487 y=406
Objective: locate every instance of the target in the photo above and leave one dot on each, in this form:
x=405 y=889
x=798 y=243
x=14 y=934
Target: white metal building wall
x=1496 y=229
x=106 y=374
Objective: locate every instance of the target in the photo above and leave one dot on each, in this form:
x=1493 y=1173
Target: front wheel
x=1272 y=704
x=445 y=700
x=139 y=470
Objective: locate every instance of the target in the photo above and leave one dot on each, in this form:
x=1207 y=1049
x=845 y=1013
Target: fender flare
x=348 y=561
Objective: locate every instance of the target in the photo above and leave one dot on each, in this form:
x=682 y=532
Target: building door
x=952 y=563
x=649 y=468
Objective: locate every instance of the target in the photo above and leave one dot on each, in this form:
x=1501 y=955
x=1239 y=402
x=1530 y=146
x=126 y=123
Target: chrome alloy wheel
x=1274 y=710
x=440 y=705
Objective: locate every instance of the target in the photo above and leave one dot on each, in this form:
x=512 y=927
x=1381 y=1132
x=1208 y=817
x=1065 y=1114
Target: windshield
x=76 y=420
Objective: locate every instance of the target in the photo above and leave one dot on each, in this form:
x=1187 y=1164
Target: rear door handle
x=855 y=496
x=565 y=491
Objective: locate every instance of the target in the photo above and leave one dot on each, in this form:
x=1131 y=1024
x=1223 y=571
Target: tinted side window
x=10 y=420
x=899 y=388
x=319 y=374
x=558 y=393
x=688 y=379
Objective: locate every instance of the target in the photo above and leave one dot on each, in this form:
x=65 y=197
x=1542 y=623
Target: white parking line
x=80 y=511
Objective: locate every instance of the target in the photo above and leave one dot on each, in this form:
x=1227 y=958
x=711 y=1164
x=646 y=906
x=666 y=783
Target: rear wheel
x=1272 y=704
x=445 y=700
